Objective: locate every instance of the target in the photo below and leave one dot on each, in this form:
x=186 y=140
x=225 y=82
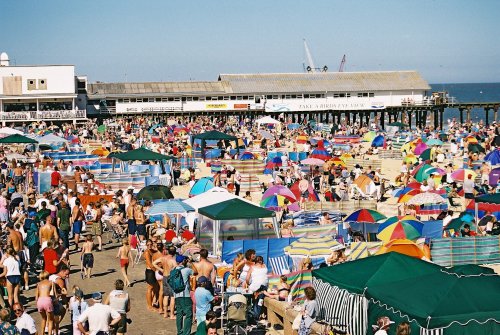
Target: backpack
x=176 y=280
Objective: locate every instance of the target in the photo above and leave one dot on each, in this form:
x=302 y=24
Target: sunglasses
x=18 y=310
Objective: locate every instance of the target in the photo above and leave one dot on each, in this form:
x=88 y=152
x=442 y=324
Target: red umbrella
x=298 y=188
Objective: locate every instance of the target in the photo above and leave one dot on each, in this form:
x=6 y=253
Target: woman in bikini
x=125 y=257
x=44 y=301
x=282 y=292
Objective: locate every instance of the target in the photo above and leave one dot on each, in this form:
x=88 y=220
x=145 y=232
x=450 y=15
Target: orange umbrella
x=402 y=246
x=363 y=181
x=100 y=152
x=301 y=139
x=337 y=161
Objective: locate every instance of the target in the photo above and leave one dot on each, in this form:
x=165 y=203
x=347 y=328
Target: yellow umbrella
x=410 y=158
x=345 y=156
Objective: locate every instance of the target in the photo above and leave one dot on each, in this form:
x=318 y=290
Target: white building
x=40 y=92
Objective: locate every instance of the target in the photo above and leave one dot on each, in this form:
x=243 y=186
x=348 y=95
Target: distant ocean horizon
x=469 y=92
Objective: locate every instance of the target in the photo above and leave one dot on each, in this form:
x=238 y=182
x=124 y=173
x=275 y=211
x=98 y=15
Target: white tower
x=4 y=59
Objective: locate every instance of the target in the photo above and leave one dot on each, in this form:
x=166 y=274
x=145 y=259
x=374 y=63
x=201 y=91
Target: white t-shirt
x=12 y=266
x=25 y=321
x=99 y=317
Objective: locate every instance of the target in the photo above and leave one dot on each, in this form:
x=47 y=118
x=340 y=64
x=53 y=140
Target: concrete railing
x=43 y=115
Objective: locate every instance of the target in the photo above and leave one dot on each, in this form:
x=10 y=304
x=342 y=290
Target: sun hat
x=97 y=296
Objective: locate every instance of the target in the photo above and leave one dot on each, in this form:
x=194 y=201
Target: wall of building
x=38 y=80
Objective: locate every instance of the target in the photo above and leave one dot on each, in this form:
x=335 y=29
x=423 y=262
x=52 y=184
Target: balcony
x=43 y=115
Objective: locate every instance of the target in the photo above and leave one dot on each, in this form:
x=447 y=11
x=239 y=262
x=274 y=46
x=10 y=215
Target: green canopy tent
x=141 y=154
x=213 y=135
x=233 y=218
x=408 y=289
x=16 y=138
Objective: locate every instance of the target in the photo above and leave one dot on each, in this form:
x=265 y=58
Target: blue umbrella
x=202 y=185
x=493 y=157
x=399 y=192
x=247 y=155
x=171 y=206
x=293 y=126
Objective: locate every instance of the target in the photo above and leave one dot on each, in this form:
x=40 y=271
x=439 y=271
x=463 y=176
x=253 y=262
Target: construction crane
x=311 y=67
x=342 y=64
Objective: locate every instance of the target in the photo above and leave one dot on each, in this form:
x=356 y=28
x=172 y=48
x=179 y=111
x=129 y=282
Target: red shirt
x=169 y=235
x=55 y=178
x=49 y=256
x=187 y=235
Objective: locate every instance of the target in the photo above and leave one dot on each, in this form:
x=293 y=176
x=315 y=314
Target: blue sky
x=168 y=40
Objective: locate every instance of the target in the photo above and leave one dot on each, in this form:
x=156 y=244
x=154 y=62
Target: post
x=409 y=119
x=495 y=110
x=487 y=112
x=435 y=114
x=382 y=119
x=468 y=115
x=441 y=117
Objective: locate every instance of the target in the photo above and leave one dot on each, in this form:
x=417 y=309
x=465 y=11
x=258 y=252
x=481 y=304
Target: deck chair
x=279 y=265
x=139 y=247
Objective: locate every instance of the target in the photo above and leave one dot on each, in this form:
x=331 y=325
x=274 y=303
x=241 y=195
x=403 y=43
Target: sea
x=473 y=92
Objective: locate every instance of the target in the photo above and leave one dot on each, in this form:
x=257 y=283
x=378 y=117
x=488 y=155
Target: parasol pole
x=476 y=214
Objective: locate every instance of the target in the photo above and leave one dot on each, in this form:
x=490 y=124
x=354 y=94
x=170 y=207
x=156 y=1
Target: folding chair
x=279 y=265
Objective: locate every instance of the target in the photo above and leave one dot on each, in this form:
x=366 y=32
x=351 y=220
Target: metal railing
x=43 y=115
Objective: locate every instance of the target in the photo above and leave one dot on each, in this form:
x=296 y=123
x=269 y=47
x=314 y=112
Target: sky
x=447 y=41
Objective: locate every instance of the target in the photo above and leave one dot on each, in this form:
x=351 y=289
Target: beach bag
x=176 y=280
x=39 y=263
x=296 y=322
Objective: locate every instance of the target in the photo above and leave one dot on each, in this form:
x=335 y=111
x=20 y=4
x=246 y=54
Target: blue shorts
x=14 y=280
x=77 y=227
x=132 y=226
x=141 y=229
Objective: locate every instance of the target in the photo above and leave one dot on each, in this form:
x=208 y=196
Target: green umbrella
x=155 y=192
x=398 y=124
x=476 y=148
x=101 y=129
x=426 y=155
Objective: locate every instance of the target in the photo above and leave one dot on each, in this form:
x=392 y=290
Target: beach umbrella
x=426 y=154
x=280 y=190
x=410 y=158
x=345 y=156
x=247 y=155
x=155 y=192
x=274 y=202
x=101 y=129
x=100 y=152
x=293 y=126
x=433 y=142
x=267 y=135
x=485 y=220
x=201 y=186
x=379 y=141
x=407 y=229
x=462 y=219
x=302 y=185
x=402 y=246
x=415 y=185
x=320 y=153
x=405 y=197
x=493 y=157
x=301 y=139
x=170 y=206
x=324 y=143
x=398 y=124
x=461 y=174
x=312 y=247
x=365 y=215
x=312 y=161
x=369 y=136
x=362 y=181
x=471 y=140
x=419 y=148
x=272 y=164
x=422 y=172
x=337 y=161
x=426 y=198
x=394 y=219
x=400 y=191
x=476 y=148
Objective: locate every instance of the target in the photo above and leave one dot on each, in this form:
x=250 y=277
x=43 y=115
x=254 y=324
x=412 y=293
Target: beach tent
x=434 y=300
x=266 y=120
x=16 y=138
x=234 y=218
x=493 y=157
x=202 y=185
x=213 y=135
x=141 y=154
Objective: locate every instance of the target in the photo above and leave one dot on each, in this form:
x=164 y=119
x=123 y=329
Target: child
x=77 y=305
x=210 y=320
x=87 y=257
x=125 y=259
x=282 y=292
x=309 y=312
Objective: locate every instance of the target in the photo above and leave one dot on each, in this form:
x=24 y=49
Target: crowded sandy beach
x=249 y=225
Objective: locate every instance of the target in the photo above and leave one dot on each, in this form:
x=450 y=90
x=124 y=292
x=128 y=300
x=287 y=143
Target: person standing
x=63 y=218
x=183 y=302
x=77 y=217
x=167 y=263
x=11 y=270
x=87 y=257
x=125 y=257
x=203 y=298
x=150 y=277
x=55 y=178
x=119 y=300
x=99 y=316
x=132 y=227
x=237 y=182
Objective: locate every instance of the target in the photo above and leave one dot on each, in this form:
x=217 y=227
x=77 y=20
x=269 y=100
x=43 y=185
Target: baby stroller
x=236 y=322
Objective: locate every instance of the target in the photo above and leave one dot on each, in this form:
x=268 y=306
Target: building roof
x=325 y=81
x=155 y=88
x=268 y=83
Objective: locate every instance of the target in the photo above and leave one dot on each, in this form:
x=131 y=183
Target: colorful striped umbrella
x=401 y=191
x=426 y=198
x=404 y=198
x=247 y=155
x=426 y=154
x=410 y=158
x=402 y=246
x=394 y=219
x=365 y=215
x=274 y=202
x=312 y=161
x=320 y=153
x=301 y=139
x=462 y=174
x=420 y=148
x=410 y=230
x=434 y=142
x=369 y=136
x=337 y=161
x=280 y=190
x=312 y=247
